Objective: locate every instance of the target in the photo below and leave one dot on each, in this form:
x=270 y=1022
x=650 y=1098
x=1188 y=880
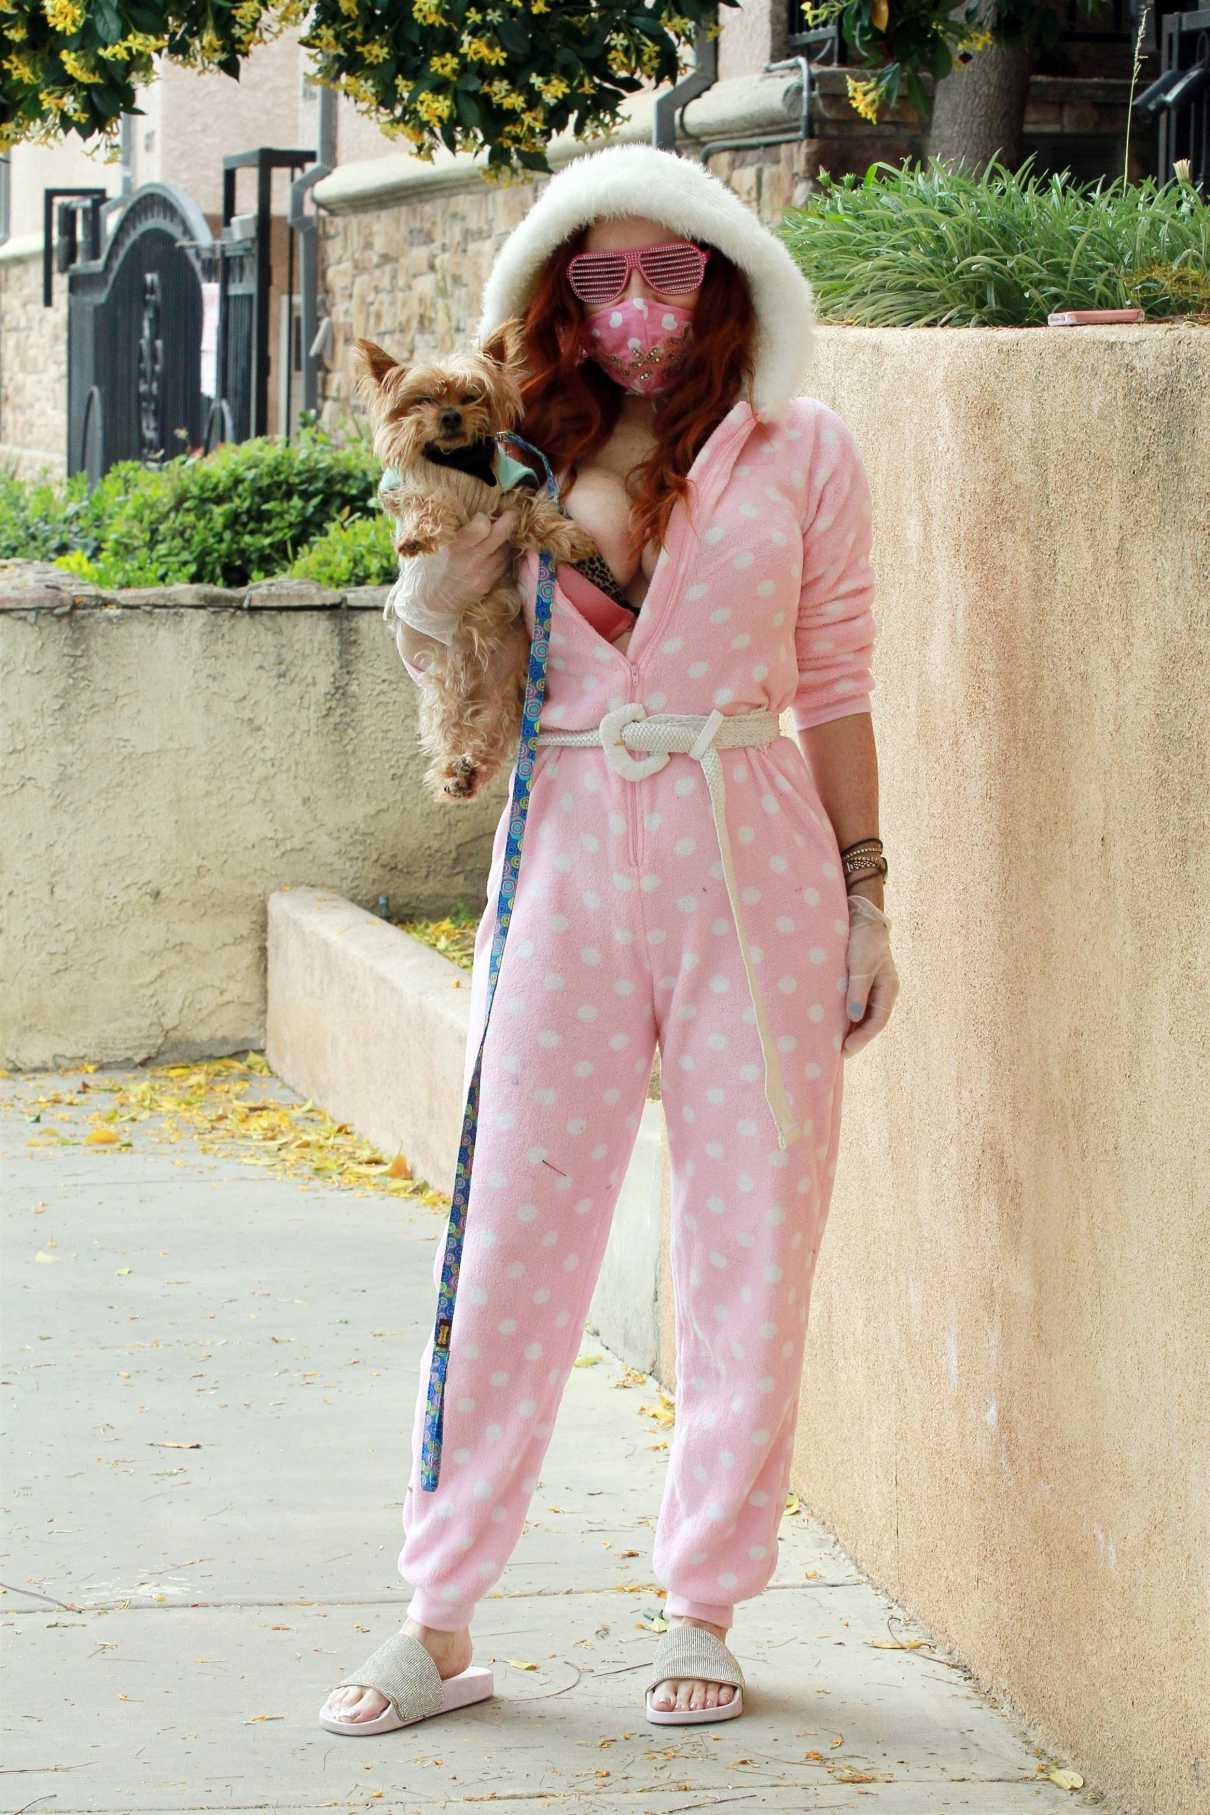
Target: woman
x=706 y=911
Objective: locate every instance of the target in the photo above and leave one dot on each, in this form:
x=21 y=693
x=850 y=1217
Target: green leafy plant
x=240 y=514
x=75 y=66
x=917 y=247
x=902 y=42
x=504 y=78
x=77 y=562
x=41 y=519
x=353 y=551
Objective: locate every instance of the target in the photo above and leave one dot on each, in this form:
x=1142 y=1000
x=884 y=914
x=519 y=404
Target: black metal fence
x=134 y=335
x=168 y=327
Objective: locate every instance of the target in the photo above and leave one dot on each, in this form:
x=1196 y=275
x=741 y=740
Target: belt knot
x=613 y=742
x=697 y=735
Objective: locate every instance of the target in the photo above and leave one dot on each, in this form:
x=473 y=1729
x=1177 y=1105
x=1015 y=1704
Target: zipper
x=632 y=787
x=672 y=581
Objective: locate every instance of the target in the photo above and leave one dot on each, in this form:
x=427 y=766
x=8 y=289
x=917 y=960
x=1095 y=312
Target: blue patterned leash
x=535 y=693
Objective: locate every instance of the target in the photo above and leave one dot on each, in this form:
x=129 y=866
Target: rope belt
x=660 y=734
x=701 y=736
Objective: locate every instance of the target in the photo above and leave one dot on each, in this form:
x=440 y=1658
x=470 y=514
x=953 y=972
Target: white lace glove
x=432 y=590
x=873 y=979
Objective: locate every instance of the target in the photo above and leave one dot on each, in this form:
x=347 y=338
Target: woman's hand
x=873 y=979
x=476 y=558
x=433 y=590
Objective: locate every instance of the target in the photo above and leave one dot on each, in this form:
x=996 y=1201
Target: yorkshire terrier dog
x=435 y=428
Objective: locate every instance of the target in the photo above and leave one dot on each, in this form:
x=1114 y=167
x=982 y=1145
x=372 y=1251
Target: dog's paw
x=460 y=779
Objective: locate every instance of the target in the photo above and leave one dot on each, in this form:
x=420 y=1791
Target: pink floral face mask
x=635 y=340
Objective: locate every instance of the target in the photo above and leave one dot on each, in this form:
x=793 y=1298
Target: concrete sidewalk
x=212 y=1369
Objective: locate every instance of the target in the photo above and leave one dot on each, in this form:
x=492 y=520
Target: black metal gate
x=134 y=336
x=241 y=408
x=142 y=382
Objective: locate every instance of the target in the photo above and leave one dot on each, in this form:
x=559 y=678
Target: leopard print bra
x=597 y=569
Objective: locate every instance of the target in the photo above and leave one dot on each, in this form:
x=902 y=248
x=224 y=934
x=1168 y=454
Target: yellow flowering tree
x=896 y=42
x=73 y=66
x=503 y=77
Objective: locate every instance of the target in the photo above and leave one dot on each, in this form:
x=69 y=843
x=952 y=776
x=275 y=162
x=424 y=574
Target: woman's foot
x=690 y=1693
x=450 y=1651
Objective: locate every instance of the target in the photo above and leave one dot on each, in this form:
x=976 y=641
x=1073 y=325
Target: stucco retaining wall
x=1004 y=1412
x=374 y=1025
x=169 y=758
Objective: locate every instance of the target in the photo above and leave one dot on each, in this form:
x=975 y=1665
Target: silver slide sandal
x=403 y=1671
x=692 y=1652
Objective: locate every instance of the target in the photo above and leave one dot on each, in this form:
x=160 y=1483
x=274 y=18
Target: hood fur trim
x=640 y=179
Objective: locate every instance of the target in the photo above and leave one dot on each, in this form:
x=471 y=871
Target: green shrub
x=938 y=247
x=42 y=518
x=353 y=551
x=77 y=562
x=240 y=514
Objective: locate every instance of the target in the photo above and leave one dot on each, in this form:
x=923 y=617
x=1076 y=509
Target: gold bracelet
x=858 y=864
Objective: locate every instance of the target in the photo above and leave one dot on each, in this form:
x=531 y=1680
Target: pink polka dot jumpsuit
x=622 y=936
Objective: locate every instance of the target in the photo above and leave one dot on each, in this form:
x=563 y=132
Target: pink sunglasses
x=671 y=267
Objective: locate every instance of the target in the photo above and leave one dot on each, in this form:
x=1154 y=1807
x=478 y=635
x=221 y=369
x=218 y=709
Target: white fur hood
x=680 y=192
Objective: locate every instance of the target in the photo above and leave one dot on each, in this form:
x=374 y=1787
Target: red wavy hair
x=570 y=408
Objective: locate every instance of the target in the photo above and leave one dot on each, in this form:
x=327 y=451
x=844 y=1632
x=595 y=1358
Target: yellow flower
x=863 y=96
x=478 y=50
x=375 y=52
x=445 y=64
x=135 y=44
x=63 y=15
x=22 y=68
x=433 y=108
x=428 y=12
x=78 y=66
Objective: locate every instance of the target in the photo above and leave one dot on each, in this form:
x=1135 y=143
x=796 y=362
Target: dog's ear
x=506 y=343
x=375 y=363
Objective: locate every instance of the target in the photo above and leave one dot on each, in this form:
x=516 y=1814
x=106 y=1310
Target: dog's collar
x=476 y=459
x=484 y=460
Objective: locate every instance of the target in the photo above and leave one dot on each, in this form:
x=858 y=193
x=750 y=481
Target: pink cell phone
x=1078 y=318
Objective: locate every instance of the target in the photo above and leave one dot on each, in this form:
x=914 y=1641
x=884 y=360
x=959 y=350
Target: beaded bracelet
x=863 y=859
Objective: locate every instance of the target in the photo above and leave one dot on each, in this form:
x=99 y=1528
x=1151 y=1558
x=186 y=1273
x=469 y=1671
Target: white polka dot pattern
x=622 y=936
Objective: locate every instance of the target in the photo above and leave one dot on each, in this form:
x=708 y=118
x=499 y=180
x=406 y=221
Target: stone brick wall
x=409 y=270
x=33 y=366
x=405 y=262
